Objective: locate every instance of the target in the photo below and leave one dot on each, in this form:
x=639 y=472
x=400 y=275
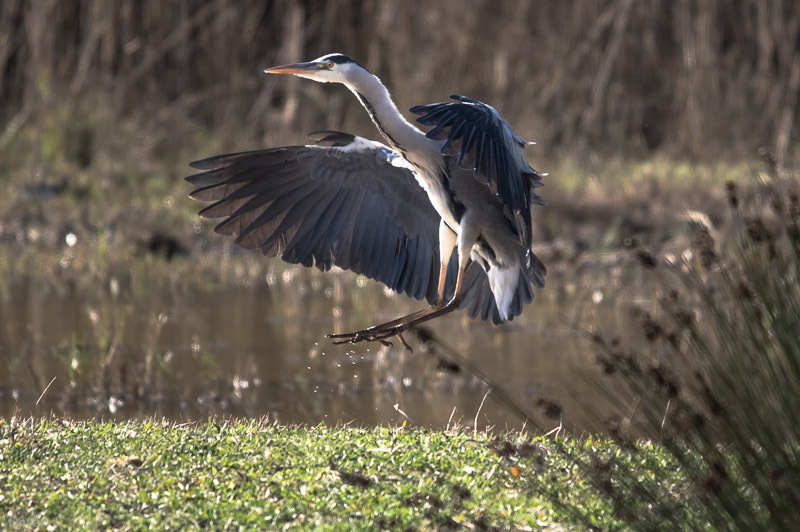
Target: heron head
x=331 y=68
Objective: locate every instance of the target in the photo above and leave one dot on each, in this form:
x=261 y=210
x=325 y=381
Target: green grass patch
x=625 y=178
x=57 y=474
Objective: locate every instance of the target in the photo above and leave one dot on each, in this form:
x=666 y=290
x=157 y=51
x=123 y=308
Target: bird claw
x=371 y=335
x=403 y=341
x=380 y=333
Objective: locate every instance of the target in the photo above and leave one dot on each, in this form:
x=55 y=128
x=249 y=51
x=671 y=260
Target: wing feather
x=486 y=145
x=341 y=202
x=334 y=203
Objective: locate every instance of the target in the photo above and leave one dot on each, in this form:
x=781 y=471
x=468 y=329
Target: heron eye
x=329 y=64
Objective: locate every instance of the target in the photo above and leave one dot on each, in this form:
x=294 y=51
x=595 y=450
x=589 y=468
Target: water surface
x=258 y=349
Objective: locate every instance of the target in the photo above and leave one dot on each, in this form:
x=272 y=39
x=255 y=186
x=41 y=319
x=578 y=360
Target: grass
x=236 y=475
x=626 y=176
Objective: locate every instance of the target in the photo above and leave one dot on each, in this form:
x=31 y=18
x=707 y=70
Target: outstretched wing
x=485 y=144
x=344 y=201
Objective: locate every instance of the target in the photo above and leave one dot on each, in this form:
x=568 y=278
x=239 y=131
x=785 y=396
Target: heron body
x=393 y=213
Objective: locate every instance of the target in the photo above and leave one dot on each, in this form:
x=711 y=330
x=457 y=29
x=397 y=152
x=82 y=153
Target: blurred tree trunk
x=701 y=79
x=600 y=85
x=788 y=117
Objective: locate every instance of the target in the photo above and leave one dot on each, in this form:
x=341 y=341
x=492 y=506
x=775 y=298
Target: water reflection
x=258 y=349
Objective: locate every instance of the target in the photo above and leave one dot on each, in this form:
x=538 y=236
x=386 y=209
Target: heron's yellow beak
x=294 y=68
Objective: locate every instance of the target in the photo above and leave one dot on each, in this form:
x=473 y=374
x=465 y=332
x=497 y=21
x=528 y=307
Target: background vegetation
x=691 y=78
x=713 y=371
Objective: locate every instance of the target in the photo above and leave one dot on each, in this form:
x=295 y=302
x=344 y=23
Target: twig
x=557 y=430
x=451 y=417
x=664 y=420
x=478 y=413
x=45 y=391
x=397 y=407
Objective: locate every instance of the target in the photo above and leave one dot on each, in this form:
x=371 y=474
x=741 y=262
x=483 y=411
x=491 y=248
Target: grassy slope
x=251 y=475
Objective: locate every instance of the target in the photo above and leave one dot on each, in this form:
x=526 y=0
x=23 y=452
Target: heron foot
x=372 y=334
x=381 y=333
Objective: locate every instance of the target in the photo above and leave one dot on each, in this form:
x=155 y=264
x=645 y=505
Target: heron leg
x=379 y=333
x=377 y=329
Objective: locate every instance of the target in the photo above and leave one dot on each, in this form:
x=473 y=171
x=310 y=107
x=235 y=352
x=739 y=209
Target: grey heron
x=393 y=213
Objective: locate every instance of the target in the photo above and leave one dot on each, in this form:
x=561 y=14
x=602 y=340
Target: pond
x=257 y=348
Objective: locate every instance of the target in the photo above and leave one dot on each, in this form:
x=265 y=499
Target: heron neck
x=398 y=132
